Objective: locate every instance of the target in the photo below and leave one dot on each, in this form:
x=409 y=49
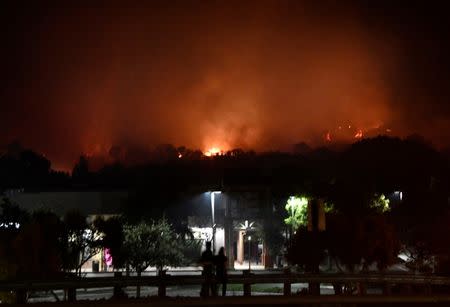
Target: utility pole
x=249 y=252
x=316 y=224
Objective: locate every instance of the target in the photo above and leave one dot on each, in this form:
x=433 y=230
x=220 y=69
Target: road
x=181 y=291
x=175 y=291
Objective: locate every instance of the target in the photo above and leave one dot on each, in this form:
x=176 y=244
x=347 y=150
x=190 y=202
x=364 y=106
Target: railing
x=359 y=281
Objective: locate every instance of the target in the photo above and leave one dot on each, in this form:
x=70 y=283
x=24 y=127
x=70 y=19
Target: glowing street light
x=213 y=193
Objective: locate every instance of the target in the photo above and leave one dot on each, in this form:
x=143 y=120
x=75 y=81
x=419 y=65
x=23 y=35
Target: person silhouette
x=207 y=261
x=220 y=261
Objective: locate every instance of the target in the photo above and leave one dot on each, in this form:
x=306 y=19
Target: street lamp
x=249 y=252
x=213 y=193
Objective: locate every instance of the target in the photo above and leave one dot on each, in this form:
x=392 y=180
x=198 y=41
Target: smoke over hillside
x=261 y=75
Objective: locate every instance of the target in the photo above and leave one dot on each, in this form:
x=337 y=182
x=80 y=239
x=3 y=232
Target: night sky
x=253 y=74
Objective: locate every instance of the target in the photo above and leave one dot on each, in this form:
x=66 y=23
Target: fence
x=359 y=282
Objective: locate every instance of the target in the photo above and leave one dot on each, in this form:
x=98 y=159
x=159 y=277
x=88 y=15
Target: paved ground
x=275 y=300
x=181 y=291
x=106 y=293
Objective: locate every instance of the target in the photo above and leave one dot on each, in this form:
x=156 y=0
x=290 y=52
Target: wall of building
x=87 y=202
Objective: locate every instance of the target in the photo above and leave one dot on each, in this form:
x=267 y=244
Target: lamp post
x=249 y=252
x=213 y=193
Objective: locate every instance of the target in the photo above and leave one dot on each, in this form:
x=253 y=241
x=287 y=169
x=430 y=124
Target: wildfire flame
x=213 y=151
x=359 y=134
x=342 y=133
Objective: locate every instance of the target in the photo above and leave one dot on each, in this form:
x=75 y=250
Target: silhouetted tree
x=302 y=148
x=80 y=171
x=81 y=241
x=37 y=248
x=307 y=249
x=154 y=244
x=272 y=236
x=165 y=152
x=358 y=242
x=113 y=238
x=12 y=216
x=36 y=166
x=24 y=168
x=12 y=219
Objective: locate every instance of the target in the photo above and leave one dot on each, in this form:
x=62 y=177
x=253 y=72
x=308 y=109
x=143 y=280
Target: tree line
x=348 y=179
x=42 y=245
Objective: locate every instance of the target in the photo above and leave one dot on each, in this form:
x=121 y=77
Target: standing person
x=221 y=270
x=207 y=261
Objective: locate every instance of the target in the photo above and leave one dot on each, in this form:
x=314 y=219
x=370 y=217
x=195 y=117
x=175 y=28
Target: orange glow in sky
x=264 y=77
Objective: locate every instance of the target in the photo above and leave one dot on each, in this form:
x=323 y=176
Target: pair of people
x=211 y=263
